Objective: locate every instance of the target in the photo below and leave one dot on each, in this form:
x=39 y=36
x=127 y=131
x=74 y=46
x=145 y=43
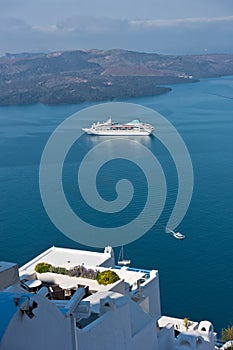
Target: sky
x=161 y=26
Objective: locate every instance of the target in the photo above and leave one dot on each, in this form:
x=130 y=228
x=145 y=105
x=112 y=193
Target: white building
x=54 y=311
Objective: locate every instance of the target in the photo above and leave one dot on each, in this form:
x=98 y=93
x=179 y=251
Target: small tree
x=42 y=267
x=107 y=277
x=227 y=334
x=186 y=323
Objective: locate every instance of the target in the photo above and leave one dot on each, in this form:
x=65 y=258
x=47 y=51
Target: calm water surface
x=196 y=277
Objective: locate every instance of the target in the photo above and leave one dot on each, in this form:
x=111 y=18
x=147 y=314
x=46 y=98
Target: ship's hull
x=117 y=132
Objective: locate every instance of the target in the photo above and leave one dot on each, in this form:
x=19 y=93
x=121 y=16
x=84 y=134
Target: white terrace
x=68 y=258
x=75 y=313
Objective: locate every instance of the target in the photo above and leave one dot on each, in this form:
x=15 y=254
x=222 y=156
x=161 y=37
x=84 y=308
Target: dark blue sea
x=196 y=274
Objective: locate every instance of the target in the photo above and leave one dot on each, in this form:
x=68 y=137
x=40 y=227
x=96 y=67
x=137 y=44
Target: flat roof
x=130 y=277
x=177 y=322
x=67 y=258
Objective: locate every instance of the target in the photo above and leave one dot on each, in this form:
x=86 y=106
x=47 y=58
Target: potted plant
x=186 y=323
x=227 y=335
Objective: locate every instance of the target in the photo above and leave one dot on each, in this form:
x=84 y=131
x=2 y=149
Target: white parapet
x=9 y=274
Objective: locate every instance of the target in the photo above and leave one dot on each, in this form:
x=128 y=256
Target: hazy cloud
x=162 y=35
x=46 y=28
x=93 y=25
x=179 y=22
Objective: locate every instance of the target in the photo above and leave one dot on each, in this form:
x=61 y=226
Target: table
x=33 y=283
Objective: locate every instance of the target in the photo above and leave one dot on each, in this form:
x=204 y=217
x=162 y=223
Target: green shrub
x=58 y=269
x=42 y=267
x=107 y=277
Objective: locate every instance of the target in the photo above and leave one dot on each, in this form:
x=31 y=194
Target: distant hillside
x=95 y=75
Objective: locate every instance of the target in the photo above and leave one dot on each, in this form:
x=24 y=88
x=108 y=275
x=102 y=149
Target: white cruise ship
x=110 y=128
x=51 y=310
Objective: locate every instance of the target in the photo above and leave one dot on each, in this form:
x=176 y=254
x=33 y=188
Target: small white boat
x=121 y=260
x=178 y=235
